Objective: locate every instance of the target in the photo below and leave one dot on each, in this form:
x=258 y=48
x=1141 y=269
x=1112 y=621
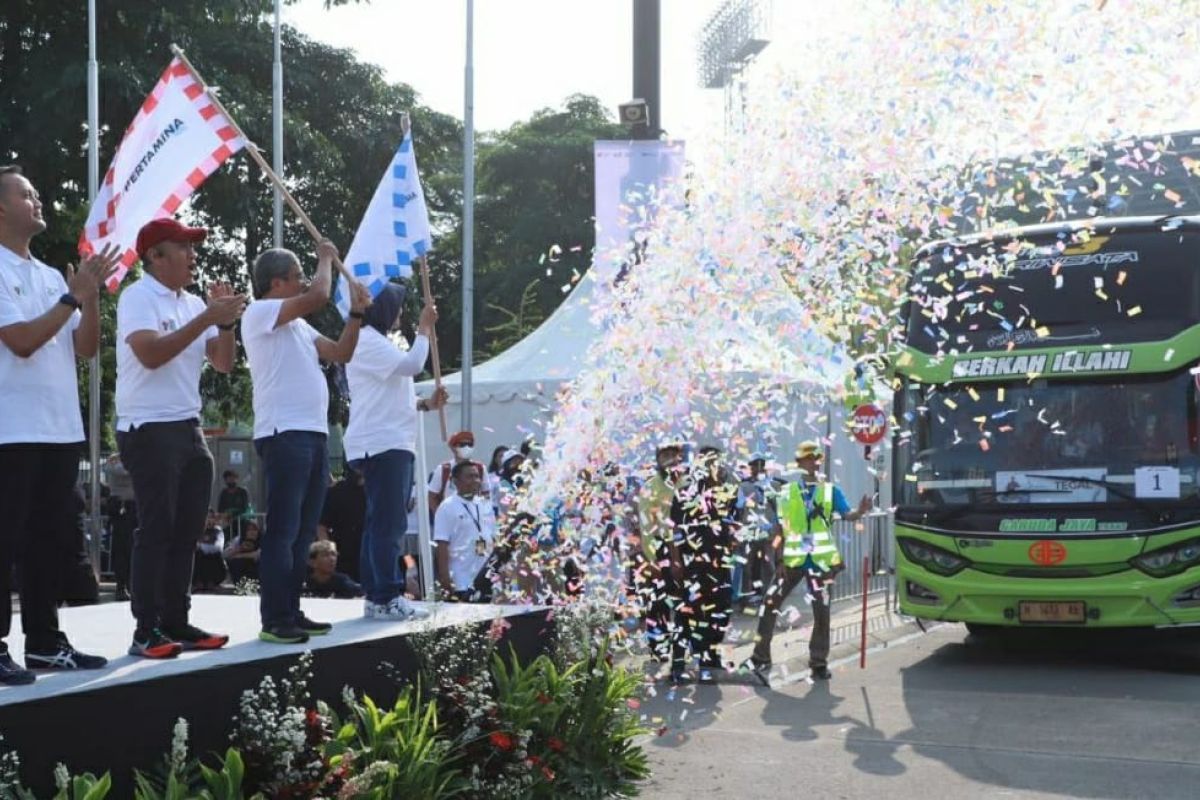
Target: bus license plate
x=1036 y=611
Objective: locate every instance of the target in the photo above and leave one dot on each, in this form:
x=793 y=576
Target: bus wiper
x=1112 y=487
x=959 y=509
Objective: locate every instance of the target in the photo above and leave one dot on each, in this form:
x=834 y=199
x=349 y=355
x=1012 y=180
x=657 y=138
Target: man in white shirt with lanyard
x=291 y=407
x=465 y=532
x=46 y=323
x=381 y=443
x=164 y=335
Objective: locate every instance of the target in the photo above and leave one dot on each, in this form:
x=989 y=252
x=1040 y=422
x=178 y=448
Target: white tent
x=514 y=397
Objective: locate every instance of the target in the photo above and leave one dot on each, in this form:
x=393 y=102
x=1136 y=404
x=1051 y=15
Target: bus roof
x=1002 y=236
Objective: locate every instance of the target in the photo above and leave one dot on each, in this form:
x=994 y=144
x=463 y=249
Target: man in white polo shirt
x=164 y=335
x=465 y=532
x=46 y=322
x=291 y=406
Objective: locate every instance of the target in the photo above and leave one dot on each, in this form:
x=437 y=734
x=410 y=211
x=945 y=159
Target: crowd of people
x=678 y=545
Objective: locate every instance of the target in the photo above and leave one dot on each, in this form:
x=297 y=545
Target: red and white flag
x=177 y=139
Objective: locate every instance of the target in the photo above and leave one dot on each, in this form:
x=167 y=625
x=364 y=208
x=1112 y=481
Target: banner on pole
x=177 y=139
x=394 y=231
x=631 y=177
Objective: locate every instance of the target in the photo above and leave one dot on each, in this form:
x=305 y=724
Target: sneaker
x=63 y=656
x=373 y=610
x=283 y=634
x=11 y=674
x=759 y=669
x=398 y=609
x=706 y=675
x=821 y=673
x=152 y=644
x=313 y=628
x=680 y=676
x=192 y=638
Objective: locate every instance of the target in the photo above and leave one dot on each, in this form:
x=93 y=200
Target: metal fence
x=871 y=538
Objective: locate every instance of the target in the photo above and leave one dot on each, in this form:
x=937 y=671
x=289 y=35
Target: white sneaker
x=400 y=610
x=373 y=610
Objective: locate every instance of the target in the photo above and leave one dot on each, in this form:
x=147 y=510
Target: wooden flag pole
x=433 y=346
x=252 y=148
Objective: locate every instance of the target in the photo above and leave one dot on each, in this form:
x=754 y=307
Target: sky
x=529 y=54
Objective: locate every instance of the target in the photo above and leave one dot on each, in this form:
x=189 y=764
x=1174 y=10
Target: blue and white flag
x=395 y=230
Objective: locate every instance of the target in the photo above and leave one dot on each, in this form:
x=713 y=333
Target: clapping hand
x=84 y=283
x=224 y=305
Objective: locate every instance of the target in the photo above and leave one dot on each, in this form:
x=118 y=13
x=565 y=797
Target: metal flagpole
x=420 y=481
x=93 y=90
x=277 y=114
x=468 y=280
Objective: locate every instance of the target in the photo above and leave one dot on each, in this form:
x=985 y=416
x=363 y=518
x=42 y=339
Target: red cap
x=167 y=229
x=461 y=438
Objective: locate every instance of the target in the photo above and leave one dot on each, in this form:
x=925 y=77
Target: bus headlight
x=1169 y=560
x=932 y=558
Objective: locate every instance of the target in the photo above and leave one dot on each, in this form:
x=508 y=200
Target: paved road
x=944 y=715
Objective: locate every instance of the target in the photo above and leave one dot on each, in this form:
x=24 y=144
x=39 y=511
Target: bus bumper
x=1126 y=599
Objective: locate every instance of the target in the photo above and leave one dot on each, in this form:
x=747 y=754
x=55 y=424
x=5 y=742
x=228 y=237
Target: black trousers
x=816 y=587
x=703 y=613
x=172 y=472
x=37 y=533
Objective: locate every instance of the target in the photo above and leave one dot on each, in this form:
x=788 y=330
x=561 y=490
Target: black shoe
x=313 y=628
x=192 y=638
x=283 y=634
x=759 y=669
x=681 y=676
x=821 y=673
x=62 y=656
x=11 y=674
x=706 y=676
x=153 y=644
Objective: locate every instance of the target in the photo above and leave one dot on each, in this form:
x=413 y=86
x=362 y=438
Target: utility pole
x=647 y=38
x=468 y=260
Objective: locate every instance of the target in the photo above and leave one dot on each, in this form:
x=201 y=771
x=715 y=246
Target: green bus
x=1046 y=454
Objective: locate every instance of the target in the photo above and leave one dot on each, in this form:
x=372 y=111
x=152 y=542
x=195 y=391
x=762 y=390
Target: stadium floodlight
x=735 y=33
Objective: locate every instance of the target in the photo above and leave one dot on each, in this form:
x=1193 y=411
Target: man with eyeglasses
x=805 y=551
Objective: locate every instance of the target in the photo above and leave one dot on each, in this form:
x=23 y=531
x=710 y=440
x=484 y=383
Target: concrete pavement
x=1037 y=714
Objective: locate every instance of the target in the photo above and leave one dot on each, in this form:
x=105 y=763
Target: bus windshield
x=1109 y=442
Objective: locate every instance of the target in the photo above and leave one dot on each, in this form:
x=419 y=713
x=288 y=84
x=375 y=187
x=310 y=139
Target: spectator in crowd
x=656 y=586
x=462 y=446
x=164 y=336
x=511 y=480
x=756 y=513
x=241 y=556
x=324 y=580
x=411 y=557
x=806 y=552
x=381 y=442
x=46 y=323
x=291 y=407
x=209 y=571
x=233 y=502
x=701 y=515
x=465 y=532
x=122 y=520
x=342 y=519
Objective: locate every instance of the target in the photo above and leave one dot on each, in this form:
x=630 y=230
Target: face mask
x=464 y=452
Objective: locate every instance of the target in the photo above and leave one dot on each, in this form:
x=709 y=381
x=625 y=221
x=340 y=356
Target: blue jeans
x=388 y=479
x=296 y=466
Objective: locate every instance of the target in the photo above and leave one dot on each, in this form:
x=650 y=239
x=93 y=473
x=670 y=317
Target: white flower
x=62 y=778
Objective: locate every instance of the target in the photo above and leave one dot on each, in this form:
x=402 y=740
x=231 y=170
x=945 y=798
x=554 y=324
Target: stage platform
x=121 y=717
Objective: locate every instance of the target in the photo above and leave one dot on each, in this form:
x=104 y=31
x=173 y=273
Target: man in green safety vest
x=805 y=551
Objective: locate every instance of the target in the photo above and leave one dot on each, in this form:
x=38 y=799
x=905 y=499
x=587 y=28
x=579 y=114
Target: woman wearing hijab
x=381 y=443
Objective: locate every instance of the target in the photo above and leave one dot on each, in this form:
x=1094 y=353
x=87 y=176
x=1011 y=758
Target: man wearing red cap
x=164 y=335
x=46 y=323
x=441 y=486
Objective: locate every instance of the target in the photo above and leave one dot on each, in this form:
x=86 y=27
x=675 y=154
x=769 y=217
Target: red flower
x=311 y=718
x=556 y=745
x=549 y=773
x=501 y=740
x=533 y=761
x=543 y=698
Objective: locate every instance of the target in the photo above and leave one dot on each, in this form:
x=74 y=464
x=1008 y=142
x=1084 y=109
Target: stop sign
x=870 y=424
